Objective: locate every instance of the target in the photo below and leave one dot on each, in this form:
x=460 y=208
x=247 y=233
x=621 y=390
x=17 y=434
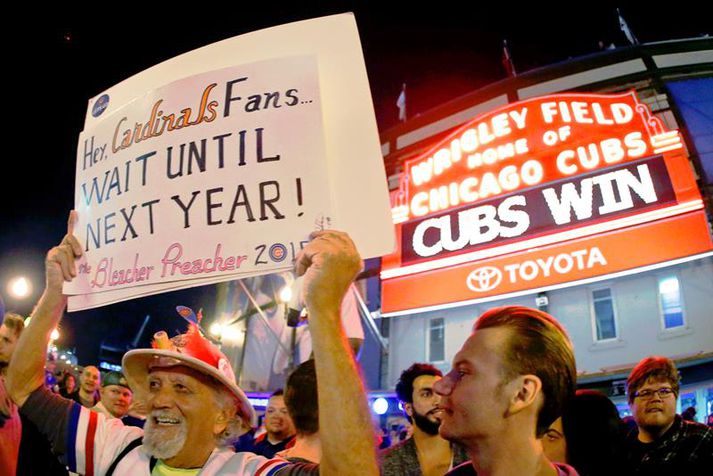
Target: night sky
x=53 y=65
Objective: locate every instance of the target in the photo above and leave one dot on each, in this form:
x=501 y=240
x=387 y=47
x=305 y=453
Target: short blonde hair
x=14 y=322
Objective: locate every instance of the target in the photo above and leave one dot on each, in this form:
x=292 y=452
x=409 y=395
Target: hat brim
x=136 y=370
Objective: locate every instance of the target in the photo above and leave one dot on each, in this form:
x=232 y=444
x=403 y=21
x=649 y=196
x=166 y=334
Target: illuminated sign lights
x=258 y=402
x=632 y=187
x=642 y=269
x=539 y=173
x=543 y=241
x=528 y=143
x=552 y=266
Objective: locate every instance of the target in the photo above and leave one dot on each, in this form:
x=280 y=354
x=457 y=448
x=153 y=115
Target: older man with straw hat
x=190 y=391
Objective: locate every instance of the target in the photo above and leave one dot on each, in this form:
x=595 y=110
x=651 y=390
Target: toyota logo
x=484 y=279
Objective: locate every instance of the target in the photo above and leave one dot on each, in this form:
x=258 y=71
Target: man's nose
x=655 y=397
x=444 y=386
x=161 y=399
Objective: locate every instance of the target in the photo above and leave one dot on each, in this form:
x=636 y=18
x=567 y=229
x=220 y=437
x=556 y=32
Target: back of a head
x=301 y=398
x=594 y=432
x=538 y=345
x=689 y=414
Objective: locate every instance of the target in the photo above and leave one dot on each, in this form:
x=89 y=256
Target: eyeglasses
x=647 y=394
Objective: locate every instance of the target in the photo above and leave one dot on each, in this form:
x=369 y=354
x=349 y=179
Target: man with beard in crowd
x=663 y=443
x=190 y=390
x=426 y=452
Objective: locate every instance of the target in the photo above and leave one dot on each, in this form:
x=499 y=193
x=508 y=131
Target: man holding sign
x=189 y=387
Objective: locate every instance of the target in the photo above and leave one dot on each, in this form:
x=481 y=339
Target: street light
x=20 y=287
x=231 y=334
x=216 y=330
x=286 y=294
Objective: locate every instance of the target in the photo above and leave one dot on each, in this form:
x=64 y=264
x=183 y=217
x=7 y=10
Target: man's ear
x=222 y=419
x=408 y=408
x=525 y=390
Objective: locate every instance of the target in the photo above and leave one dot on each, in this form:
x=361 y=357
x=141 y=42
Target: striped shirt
x=88 y=443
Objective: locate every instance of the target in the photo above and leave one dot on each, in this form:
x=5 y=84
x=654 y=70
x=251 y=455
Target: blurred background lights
x=231 y=333
x=20 y=287
x=216 y=329
x=286 y=294
x=380 y=406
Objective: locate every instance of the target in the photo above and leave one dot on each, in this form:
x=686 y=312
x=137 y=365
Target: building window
x=604 y=317
x=670 y=300
x=436 y=340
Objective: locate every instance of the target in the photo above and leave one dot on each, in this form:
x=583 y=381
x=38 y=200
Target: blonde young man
x=509 y=382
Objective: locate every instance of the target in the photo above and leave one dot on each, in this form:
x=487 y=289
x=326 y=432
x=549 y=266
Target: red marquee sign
x=530 y=175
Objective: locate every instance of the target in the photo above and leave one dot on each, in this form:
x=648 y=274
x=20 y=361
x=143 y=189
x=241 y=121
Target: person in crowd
x=426 y=452
x=116 y=399
x=709 y=420
x=383 y=438
x=689 y=414
x=589 y=436
x=67 y=384
x=10 y=424
x=509 y=381
x=629 y=423
x=663 y=442
x=301 y=399
x=279 y=429
x=23 y=449
x=89 y=383
x=190 y=390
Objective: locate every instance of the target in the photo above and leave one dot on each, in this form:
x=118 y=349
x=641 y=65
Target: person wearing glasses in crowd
x=662 y=442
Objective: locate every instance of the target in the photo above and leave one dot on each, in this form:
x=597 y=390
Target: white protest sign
x=338 y=123
x=195 y=178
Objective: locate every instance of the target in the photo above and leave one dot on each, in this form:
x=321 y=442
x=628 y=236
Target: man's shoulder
x=685 y=447
x=693 y=429
x=696 y=441
x=260 y=439
x=100 y=408
x=400 y=459
x=403 y=449
x=248 y=463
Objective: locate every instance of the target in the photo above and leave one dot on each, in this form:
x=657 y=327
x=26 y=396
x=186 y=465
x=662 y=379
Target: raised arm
x=26 y=370
x=330 y=262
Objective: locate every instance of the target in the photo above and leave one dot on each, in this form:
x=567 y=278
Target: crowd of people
x=508 y=406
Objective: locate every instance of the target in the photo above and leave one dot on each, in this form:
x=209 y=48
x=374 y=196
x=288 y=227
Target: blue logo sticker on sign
x=278 y=252
x=101 y=105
